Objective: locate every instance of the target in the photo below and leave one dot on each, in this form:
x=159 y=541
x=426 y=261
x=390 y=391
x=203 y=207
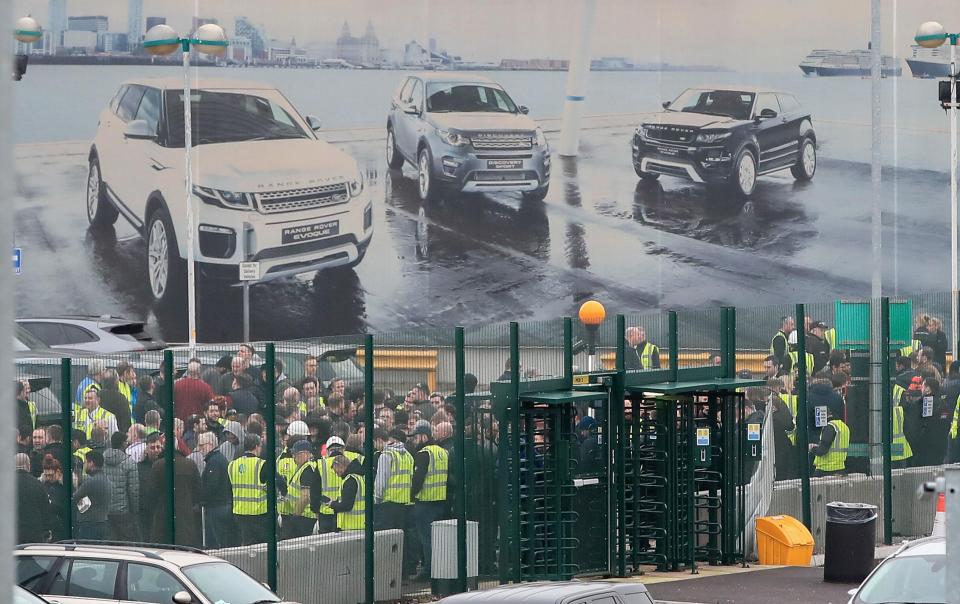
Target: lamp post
x=28 y=31
x=212 y=40
x=592 y=315
x=932 y=35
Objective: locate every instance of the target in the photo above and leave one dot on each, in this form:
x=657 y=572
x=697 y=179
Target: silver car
x=104 y=334
x=917 y=572
x=464 y=133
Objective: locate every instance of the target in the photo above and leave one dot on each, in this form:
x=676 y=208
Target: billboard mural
x=390 y=165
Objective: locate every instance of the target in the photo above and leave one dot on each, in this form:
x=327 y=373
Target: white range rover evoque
x=266 y=188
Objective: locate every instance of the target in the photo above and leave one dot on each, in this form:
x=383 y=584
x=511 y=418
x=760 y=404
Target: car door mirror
x=411 y=109
x=524 y=109
x=314 y=122
x=182 y=597
x=666 y=104
x=139 y=130
x=767 y=114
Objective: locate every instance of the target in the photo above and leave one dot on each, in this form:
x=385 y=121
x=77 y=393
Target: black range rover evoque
x=726 y=137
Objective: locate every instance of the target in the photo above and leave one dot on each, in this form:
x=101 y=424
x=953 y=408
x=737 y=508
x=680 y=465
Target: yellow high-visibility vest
x=401 y=477
x=249 y=493
x=354 y=519
x=435 y=483
x=830 y=335
x=646 y=355
x=86 y=420
x=794 y=356
x=294 y=486
x=791 y=401
x=901 y=447
x=330 y=483
x=836 y=458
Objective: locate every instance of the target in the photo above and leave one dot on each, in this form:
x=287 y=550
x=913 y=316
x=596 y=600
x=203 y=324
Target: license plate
x=668 y=151
x=504 y=164
x=309 y=232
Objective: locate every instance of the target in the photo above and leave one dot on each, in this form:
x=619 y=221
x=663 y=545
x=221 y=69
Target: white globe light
x=161 y=40
x=211 y=39
x=930 y=35
x=27 y=30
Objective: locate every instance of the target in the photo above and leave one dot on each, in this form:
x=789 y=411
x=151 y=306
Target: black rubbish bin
x=851 y=534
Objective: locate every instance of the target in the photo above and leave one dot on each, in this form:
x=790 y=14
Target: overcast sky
x=749 y=35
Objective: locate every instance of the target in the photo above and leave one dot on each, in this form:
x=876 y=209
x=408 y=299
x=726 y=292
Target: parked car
x=79 y=572
x=559 y=592
x=917 y=572
x=465 y=133
x=102 y=334
x=269 y=189
x=727 y=136
x=24 y=596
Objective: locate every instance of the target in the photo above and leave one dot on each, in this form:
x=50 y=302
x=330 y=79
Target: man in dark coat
x=33 y=507
x=216 y=495
x=114 y=401
x=186 y=504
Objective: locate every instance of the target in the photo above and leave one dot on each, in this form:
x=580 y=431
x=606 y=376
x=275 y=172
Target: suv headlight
x=453 y=138
x=539 y=137
x=356 y=184
x=225 y=199
x=712 y=137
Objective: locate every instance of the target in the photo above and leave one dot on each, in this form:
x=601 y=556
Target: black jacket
x=215 y=486
x=348 y=492
x=145 y=402
x=113 y=401
x=245 y=400
x=97 y=488
x=33 y=509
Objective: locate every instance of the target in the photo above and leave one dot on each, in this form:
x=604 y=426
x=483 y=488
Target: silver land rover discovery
x=465 y=133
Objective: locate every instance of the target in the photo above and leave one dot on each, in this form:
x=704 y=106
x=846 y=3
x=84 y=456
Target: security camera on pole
x=212 y=40
x=592 y=315
x=28 y=31
x=932 y=35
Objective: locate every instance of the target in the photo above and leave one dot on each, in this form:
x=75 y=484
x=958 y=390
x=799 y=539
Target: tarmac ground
x=754 y=585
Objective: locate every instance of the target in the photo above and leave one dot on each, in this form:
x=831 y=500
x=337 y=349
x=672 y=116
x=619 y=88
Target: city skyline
x=675 y=31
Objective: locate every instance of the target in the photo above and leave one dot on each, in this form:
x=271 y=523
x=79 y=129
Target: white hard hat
x=298 y=428
x=335 y=440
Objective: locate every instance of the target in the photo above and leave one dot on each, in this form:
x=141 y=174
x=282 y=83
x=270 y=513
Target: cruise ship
x=929 y=62
x=846 y=63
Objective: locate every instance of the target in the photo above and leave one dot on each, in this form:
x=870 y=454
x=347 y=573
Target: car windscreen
x=224 y=583
x=24 y=340
x=728 y=103
x=916 y=579
x=451 y=97
x=230 y=116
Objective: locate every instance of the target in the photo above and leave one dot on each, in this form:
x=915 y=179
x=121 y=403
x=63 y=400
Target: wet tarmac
x=479 y=259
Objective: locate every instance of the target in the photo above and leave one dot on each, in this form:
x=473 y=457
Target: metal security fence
x=403 y=465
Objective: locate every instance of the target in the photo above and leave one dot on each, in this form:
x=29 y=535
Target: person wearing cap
x=350 y=505
x=391 y=487
x=431 y=465
x=286 y=465
x=296 y=510
x=330 y=483
x=248 y=481
x=817 y=346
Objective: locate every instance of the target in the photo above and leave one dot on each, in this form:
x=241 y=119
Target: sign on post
x=17 y=260
x=249 y=271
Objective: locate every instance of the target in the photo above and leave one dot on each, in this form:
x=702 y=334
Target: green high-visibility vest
x=289 y=505
x=435 y=483
x=913 y=347
x=353 y=456
x=286 y=466
x=786 y=342
x=249 y=493
x=836 y=458
x=901 y=448
x=401 y=477
x=353 y=519
x=330 y=483
x=646 y=355
x=32 y=407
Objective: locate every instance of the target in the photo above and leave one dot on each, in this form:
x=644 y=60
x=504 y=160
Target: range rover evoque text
x=726 y=137
x=463 y=132
x=266 y=188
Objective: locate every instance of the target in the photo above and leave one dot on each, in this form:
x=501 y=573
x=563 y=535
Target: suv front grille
x=675 y=134
x=495 y=176
x=292 y=200
x=494 y=141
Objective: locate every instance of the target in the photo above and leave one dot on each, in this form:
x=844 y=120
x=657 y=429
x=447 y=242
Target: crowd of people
x=117 y=457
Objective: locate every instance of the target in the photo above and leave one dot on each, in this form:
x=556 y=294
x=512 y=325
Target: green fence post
x=460 y=467
x=515 y=445
x=170 y=446
x=887 y=419
x=674 y=345
x=368 y=473
x=66 y=412
x=270 y=365
x=731 y=356
x=568 y=351
x=803 y=442
x=620 y=436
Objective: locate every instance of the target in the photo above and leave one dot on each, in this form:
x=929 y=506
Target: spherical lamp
x=27 y=30
x=211 y=39
x=161 y=40
x=930 y=35
x=592 y=313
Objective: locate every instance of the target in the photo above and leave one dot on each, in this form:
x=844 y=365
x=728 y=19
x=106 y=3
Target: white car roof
x=928 y=546
x=202 y=84
x=179 y=557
